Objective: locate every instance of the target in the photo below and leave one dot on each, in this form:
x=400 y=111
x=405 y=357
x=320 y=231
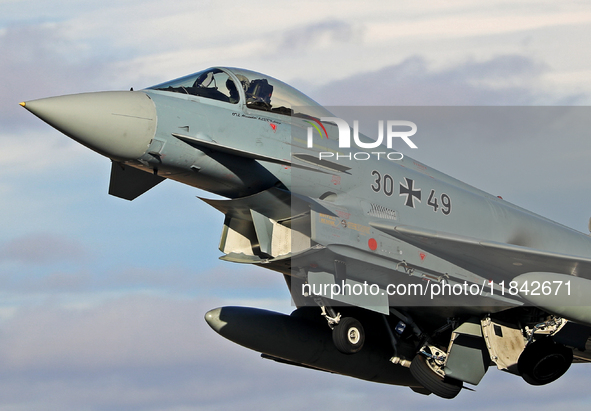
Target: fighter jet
x=400 y=274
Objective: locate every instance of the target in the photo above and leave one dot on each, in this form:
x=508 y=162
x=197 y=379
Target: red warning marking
x=422 y=255
x=273 y=126
x=373 y=244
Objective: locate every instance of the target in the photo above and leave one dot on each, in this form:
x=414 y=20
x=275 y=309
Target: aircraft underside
x=434 y=349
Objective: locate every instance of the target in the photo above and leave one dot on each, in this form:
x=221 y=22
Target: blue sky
x=102 y=300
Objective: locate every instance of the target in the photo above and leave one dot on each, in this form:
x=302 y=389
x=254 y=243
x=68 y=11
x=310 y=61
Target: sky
x=102 y=300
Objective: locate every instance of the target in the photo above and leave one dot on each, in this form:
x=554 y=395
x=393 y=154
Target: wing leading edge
x=493 y=260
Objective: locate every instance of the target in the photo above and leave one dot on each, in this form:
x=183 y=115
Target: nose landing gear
x=348 y=335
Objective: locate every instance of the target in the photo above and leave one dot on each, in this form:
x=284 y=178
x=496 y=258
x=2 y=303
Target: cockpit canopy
x=255 y=90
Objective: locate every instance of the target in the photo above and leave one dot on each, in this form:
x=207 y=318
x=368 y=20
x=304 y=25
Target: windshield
x=211 y=83
x=261 y=92
x=269 y=94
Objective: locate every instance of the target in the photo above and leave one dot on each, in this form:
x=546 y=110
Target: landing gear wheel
x=544 y=361
x=348 y=335
x=428 y=378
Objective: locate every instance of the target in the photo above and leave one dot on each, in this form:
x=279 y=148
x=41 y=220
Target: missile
x=301 y=341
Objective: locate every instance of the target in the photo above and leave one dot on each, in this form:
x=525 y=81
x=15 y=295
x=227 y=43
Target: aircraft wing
x=493 y=260
x=201 y=143
x=326 y=166
x=273 y=203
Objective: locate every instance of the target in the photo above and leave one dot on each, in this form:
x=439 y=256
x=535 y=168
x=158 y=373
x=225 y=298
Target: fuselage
x=237 y=133
x=373 y=181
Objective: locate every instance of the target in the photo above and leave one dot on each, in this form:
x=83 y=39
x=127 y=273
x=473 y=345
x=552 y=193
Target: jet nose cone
x=213 y=319
x=116 y=124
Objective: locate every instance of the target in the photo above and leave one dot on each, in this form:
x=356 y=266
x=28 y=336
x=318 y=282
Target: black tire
x=442 y=387
x=544 y=361
x=348 y=335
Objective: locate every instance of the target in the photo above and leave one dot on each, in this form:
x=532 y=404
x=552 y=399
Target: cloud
x=41 y=61
x=222 y=279
x=320 y=35
x=105 y=336
x=42 y=248
x=503 y=80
